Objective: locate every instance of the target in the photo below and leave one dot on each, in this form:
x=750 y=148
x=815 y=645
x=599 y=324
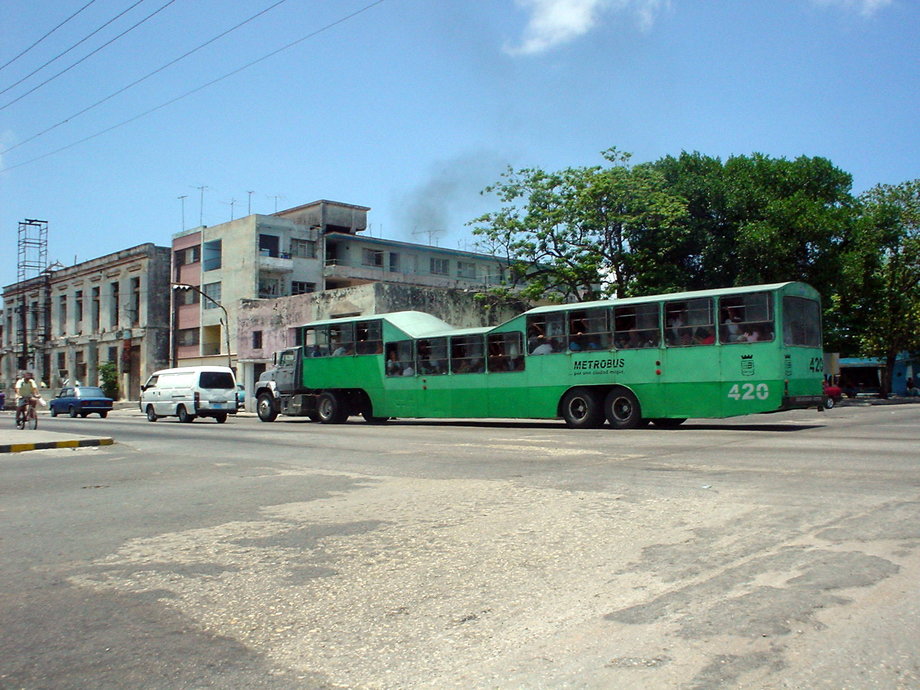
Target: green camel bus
x=659 y=359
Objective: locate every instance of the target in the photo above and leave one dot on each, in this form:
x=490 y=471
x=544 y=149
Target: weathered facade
x=266 y=326
x=63 y=324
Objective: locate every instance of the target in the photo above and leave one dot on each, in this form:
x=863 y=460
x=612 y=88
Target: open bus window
x=689 y=322
x=431 y=356
x=545 y=333
x=746 y=318
x=801 y=322
x=505 y=352
x=316 y=341
x=368 y=338
x=342 y=339
x=589 y=329
x=636 y=327
x=466 y=354
x=399 y=359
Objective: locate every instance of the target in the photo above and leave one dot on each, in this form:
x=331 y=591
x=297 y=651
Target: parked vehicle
x=81 y=400
x=240 y=395
x=832 y=395
x=2 y=400
x=190 y=392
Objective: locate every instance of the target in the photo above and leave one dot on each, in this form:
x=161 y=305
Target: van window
x=151 y=382
x=216 y=379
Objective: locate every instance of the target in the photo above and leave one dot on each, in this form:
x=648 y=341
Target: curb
x=44 y=445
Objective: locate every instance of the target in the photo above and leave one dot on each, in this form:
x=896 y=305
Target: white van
x=189 y=392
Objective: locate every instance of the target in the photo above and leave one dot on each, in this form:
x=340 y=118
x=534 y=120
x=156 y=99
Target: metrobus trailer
x=659 y=359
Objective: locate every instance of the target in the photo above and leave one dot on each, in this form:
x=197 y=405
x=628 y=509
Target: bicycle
x=26 y=415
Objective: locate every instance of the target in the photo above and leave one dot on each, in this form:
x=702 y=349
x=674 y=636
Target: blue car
x=81 y=400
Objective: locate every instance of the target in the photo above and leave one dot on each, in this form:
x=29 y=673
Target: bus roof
x=692 y=294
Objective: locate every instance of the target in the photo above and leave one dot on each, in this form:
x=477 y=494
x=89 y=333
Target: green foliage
x=108 y=379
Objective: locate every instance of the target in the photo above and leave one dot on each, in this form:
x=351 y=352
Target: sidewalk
x=13 y=440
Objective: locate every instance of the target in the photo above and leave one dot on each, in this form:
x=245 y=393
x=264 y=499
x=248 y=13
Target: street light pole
x=225 y=322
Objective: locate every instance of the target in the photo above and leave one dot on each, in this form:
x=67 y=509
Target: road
x=777 y=551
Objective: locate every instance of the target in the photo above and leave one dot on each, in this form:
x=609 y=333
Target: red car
x=832 y=395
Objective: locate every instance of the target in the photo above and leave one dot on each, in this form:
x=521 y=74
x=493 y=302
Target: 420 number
x=749 y=391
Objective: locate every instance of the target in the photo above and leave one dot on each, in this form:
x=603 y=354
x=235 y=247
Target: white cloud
x=864 y=7
x=554 y=22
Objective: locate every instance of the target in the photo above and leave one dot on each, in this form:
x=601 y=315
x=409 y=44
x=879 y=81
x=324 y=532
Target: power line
x=89 y=55
x=310 y=35
x=63 y=53
x=144 y=78
x=12 y=60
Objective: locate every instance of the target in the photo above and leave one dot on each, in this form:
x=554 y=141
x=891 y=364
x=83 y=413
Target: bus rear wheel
x=331 y=408
x=581 y=409
x=622 y=409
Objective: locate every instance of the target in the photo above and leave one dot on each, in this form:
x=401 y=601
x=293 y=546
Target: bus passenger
x=704 y=336
x=543 y=347
x=731 y=331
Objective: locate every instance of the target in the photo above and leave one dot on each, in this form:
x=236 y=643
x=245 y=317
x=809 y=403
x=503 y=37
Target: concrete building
x=64 y=323
x=299 y=251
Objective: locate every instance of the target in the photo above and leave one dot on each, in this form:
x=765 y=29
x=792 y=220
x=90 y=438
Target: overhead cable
x=12 y=60
x=144 y=78
x=89 y=55
x=199 y=88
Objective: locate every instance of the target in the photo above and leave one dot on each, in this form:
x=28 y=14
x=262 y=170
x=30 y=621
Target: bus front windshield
x=801 y=322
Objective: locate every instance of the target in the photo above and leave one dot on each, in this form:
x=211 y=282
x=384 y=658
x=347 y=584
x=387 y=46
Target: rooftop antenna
x=276 y=197
x=431 y=235
x=249 y=203
x=230 y=203
x=201 y=205
x=182 y=198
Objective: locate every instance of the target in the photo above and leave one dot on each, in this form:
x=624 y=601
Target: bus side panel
x=803 y=367
x=434 y=396
x=469 y=396
x=510 y=394
x=688 y=384
x=751 y=378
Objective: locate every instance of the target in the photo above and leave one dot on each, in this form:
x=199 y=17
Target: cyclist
x=27 y=393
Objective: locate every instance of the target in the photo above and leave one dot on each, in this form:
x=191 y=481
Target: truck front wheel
x=265 y=406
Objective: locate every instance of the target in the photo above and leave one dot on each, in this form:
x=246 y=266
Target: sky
x=127 y=121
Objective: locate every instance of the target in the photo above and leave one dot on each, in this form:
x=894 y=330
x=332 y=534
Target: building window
x=116 y=304
x=299 y=287
x=186 y=297
x=211 y=290
x=269 y=245
x=94 y=311
x=372 y=257
x=187 y=336
x=394 y=262
x=257 y=340
x=269 y=287
x=466 y=269
x=189 y=255
x=78 y=308
x=212 y=254
x=440 y=267
x=62 y=314
x=303 y=249
x=135 y=308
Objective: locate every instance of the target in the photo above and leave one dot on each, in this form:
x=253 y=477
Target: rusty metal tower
x=32 y=261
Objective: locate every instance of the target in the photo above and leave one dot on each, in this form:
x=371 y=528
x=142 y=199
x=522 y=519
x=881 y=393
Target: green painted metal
x=723 y=379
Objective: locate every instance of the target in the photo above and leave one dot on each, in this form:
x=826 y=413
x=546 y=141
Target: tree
x=108 y=376
x=584 y=232
x=882 y=273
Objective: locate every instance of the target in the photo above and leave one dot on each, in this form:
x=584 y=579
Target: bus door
x=690 y=363
x=402 y=384
x=432 y=366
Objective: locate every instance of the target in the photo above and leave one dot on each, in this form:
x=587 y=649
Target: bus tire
x=265 y=407
x=581 y=409
x=668 y=422
x=622 y=409
x=331 y=408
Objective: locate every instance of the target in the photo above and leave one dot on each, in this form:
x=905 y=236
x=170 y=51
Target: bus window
x=801 y=322
x=342 y=339
x=689 y=322
x=746 y=318
x=400 y=359
x=466 y=354
x=545 y=333
x=505 y=352
x=636 y=327
x=369 y=340
x=589 y=329
x=431 y=356
x=316 y=341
